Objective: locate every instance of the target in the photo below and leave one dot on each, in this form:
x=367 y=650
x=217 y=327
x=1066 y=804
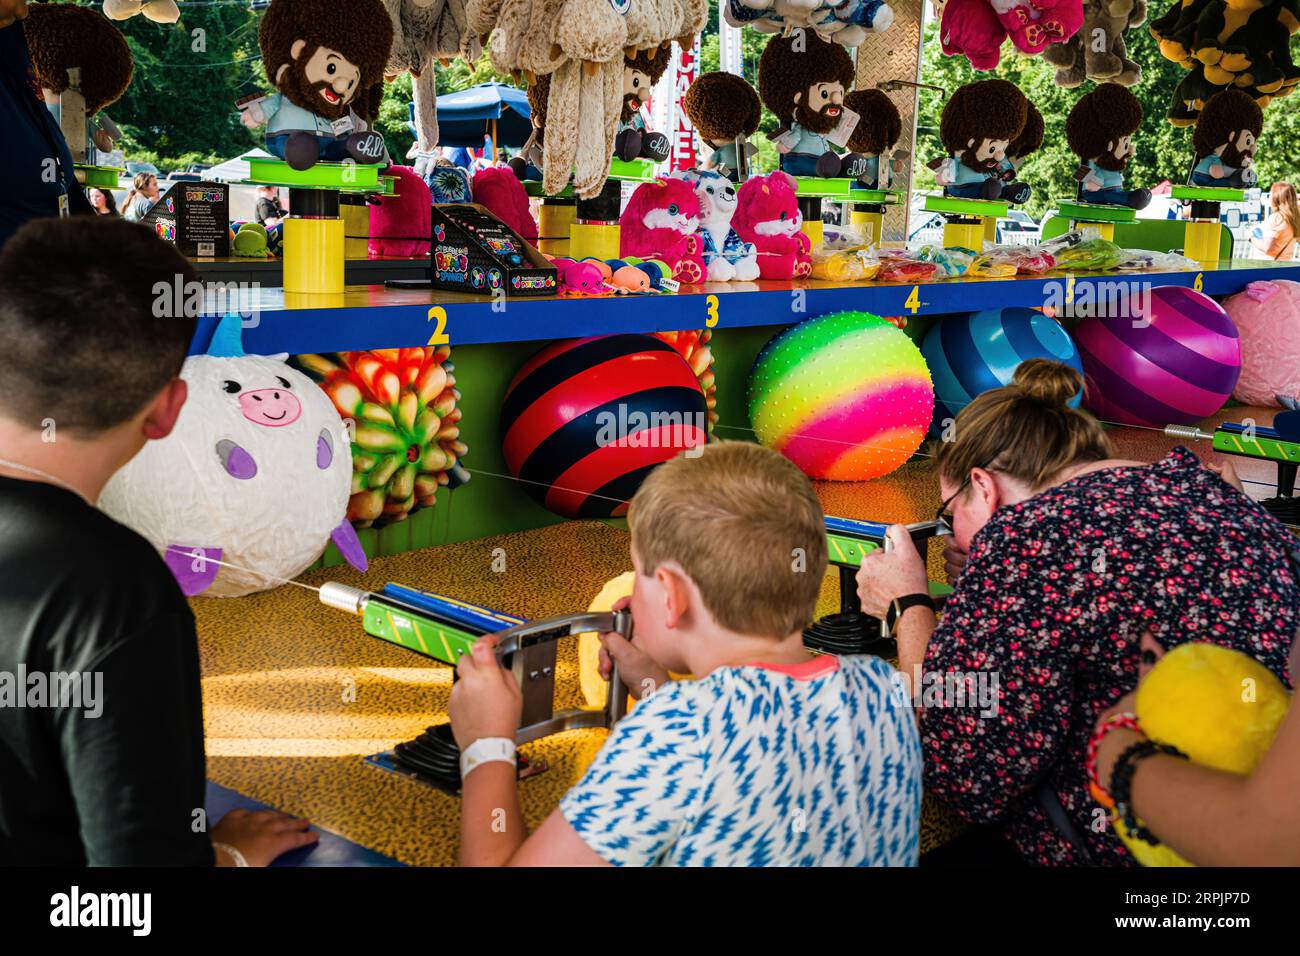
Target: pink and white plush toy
x=256 y=475
x=1267 y=316
x=726 y=255
x=767 y=215
x=971 y=28
x=1033 y=24
x=399 y=219
x=660 y=222
x=501 y=193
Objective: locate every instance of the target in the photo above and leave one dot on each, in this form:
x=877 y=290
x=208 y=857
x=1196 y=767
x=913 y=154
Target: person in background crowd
x=102 y=201
x=269 y=211
x=1277 y=238
x=1066 y=556
x=144 y=193
x=37 y=178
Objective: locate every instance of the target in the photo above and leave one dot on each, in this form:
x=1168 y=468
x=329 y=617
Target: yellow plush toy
x=1216 y=705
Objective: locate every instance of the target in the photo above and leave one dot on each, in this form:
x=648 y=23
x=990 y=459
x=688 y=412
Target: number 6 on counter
x=439 y=336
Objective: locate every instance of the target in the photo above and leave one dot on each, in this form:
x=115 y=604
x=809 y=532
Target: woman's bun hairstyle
x=1043 y=380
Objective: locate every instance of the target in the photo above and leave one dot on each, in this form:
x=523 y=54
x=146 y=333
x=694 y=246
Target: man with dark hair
x=111 y=770
x=1224 y=140
x=36 y=173
x=978 y=125
x=1100 y=131
x=802 y=79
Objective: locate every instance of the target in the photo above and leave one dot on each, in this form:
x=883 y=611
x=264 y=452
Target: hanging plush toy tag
x=788 y=139
x=64 y=209
x=844 y=128
x=343 y=125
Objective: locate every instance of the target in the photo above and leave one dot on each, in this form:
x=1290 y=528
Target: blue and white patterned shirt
x=817 y=764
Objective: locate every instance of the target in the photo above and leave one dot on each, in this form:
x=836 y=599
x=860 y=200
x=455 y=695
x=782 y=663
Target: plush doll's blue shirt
x=283 y=116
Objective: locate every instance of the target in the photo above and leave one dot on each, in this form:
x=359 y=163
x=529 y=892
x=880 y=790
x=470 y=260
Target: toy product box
x=474 y=251
x=194 y=217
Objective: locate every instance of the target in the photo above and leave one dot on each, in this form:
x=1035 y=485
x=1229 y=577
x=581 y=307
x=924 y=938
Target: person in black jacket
x=101 y=711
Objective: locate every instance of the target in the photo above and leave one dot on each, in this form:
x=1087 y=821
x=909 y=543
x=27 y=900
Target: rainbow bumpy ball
x=1172 y=360
x=846 y=397
x=1267 y=315
x=585 y=420
x=970 y=354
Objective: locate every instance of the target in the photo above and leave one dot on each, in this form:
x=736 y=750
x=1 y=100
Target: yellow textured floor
x=295 y=694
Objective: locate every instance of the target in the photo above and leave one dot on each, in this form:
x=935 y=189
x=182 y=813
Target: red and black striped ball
x=585 y=420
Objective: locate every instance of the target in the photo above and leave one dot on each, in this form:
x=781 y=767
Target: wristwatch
x=899 y=605
x=486 y=750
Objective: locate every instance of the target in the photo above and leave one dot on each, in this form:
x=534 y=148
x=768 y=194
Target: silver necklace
x=16 y=466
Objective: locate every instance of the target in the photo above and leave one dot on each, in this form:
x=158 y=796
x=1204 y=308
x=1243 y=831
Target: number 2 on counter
x=439 y=336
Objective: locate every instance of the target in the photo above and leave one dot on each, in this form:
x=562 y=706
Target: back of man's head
x=95 y=319
x=744 y=523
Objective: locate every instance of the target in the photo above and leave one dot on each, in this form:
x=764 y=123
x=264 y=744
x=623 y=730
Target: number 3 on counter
x=439 y=336
x=712 y=320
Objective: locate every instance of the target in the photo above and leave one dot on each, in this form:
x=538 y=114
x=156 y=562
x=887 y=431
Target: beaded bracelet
x=1121 y=783
x=1128 y=721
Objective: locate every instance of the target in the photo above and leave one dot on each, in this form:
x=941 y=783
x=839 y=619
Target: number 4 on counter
x=913 y=300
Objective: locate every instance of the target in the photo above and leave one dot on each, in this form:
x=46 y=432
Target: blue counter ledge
x=369 y=317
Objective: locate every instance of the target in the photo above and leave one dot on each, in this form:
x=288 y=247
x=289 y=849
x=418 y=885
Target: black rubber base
x=1285 y=510
x=434 y=758
x=848 y=633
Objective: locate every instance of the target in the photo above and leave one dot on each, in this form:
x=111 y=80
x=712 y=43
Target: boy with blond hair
x=769 y=756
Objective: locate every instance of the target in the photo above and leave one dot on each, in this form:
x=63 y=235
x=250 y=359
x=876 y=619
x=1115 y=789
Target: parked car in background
x=1018 y=229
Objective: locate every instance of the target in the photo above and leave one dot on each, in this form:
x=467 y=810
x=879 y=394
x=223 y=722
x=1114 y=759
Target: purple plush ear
x=193 y=571
x=349 y=545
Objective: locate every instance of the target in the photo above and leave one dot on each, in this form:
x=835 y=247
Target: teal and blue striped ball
x=970 y=354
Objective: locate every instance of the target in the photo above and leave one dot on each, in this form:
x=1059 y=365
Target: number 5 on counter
x=439 y=336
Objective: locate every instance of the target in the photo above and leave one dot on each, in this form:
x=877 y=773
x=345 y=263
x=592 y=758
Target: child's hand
x=954 y=561
x=638 y=670
x=886 y=575
x=261 y=835
x=485 y=700
x=1227 y=472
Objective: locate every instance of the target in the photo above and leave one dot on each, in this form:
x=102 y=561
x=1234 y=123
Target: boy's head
x=732 y=539
x=95 y=324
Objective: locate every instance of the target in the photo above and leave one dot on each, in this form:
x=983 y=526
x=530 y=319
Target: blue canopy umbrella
x=495 y=110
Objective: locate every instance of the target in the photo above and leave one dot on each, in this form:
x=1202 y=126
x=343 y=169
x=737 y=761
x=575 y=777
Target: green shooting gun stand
x=1261 y=443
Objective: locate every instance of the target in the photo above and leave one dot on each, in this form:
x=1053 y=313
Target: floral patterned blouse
x=1054 y=598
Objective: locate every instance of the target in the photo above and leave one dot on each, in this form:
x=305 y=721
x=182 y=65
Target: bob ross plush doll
x=979 y=123
x=1100 y=130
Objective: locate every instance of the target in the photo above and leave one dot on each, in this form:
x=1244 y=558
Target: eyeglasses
x=944 y=514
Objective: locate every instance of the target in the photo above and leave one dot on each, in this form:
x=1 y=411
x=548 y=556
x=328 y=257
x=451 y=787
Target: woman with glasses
x=1066 y=556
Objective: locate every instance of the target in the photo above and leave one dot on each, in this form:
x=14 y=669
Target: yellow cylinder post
x=554 y=222
x=812 y=228
x=1104 y=230
x=597 y=240
x=871 y=224
x=964 y=235
x=990 y=232
x=356 y=228
x=1201 y=241
x=313 y=255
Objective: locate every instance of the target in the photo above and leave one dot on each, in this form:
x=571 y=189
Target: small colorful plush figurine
x=726 y=255
x=322 y=57
x=878 y=130
x=723 y=107
x=1224 y=140
x=1100 y=130
x=802 y=80
x=767 y=215
x=641 y=71
x=979 y=123
x=660 y=222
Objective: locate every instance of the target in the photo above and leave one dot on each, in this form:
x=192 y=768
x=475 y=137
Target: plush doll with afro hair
x=1224 y=141
x=1100 y=130
x=878 y=130
x=980 y=122
x=64 y=36
x=641 y=71
x=802 y=80
x=723 y=107
x=324 y=58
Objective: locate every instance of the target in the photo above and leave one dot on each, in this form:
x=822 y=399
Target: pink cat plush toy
x=660 y=222
x=971 y=28
x=767 y=215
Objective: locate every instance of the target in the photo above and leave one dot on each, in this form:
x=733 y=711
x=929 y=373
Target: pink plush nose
x=272 y=407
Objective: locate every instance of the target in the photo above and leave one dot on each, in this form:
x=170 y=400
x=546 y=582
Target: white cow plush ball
x=256 y=474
